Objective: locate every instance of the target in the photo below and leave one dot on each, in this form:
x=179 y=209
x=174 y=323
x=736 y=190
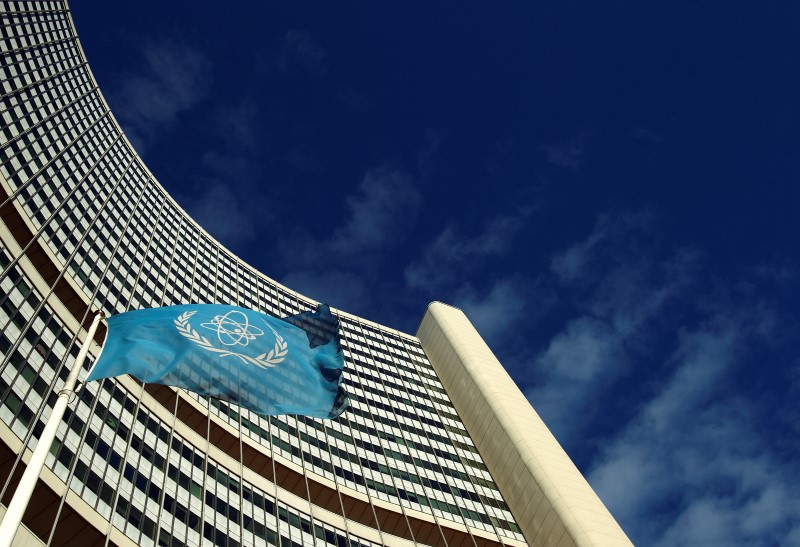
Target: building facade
x=436 y=449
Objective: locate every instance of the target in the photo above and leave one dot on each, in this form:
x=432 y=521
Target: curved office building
x=438 y=447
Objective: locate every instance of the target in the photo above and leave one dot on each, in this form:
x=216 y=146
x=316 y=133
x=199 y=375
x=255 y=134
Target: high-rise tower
x=438 y=447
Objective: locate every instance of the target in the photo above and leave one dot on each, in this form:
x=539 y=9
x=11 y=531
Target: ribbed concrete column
x=552 y=502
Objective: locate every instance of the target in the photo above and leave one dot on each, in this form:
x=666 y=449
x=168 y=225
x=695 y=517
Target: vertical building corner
x=547 y=494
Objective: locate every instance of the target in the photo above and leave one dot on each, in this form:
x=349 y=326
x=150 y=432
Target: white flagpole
x=16 y=509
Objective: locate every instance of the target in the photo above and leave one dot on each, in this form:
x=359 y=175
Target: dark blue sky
x=609 y=192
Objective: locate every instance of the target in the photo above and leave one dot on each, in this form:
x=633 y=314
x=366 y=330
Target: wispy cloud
x=339 y=288
x=427 y=155
x=568 y=153
x=381 y=210
x=173 y=78
x=622 y=289
x=645 y=134
x=495 y=311
x=684 y=459
x=612 y=239
x=303 y=159
x=691 y=468
x=224 y=195
x=344 y=264
x=451 y=254
x=564 y=155
x=238 y=123
x=355 y=100
x=299 y=49
x=222 y=212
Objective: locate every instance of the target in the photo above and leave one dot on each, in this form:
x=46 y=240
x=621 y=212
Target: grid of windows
x=136 y=465
x=126 y=245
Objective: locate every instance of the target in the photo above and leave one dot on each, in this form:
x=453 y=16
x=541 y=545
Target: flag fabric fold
x=269 y=365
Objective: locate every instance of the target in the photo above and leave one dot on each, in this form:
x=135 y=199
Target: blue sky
x=609 y=192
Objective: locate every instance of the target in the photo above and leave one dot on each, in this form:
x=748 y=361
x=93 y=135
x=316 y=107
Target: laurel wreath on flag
x=266 y=360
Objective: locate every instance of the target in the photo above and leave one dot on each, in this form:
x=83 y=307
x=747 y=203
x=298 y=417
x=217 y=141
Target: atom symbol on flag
x=233 y=328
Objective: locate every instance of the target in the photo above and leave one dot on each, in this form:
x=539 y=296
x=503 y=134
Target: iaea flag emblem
x=272 y=366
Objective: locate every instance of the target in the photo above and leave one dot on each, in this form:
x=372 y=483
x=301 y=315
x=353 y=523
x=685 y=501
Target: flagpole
x=16 y=509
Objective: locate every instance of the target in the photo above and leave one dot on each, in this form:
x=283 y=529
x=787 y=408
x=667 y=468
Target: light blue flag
x=272 y=366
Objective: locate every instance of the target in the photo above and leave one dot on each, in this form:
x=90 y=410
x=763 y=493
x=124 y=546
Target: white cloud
x=571 y=373
x=691 y=468
x=645 y=134
x=496 y=312
x=382 y=209
x=691 y=465
x=704 y=355
x=303 y=159
x=223 y=213
x=426 y=155
x=354 y=99
x=174 y=79
x=572 y=262
x=568 y=154
x=219 y=164
x=237 y=125
x=301 y=49
x=564 y=155
x=340 y=289
x=343 y=267
x=452 y=253
x=224 y=196
x=612 y=234
x=621 y=290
